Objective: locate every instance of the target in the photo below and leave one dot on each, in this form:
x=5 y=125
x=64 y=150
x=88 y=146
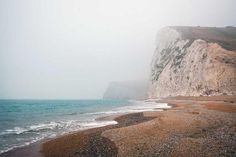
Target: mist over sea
x=23 y=122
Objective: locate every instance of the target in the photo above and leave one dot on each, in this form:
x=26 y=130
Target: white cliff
x=194 y=61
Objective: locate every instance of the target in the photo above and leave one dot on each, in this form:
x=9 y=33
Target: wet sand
x=194 y=126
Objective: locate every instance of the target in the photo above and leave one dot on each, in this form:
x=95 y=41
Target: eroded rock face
x=194 y=61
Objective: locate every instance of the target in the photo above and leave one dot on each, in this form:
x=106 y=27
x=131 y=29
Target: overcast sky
x=72 y=49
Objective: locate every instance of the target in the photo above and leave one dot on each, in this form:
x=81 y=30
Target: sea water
x=23 y=122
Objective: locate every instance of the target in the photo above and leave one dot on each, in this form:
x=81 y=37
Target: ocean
x=23 y=122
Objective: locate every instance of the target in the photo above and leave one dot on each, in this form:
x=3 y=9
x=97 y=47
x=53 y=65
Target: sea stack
x=135 y=89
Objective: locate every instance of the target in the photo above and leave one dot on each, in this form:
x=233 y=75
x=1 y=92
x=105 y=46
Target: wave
x=22 y=145
x=98 y=124
x=65 y=126
x=15 y=130
x=32 y=128
x=137 y=106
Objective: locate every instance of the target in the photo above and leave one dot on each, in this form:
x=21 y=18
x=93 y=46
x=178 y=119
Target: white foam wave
x=32 y=128
x=137 y=106
x=15 y=130
x=65 y=126
x=50 y=125
x=97 y=124
x=22 y=145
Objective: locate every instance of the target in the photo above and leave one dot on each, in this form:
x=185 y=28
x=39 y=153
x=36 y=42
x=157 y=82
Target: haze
x=72 y=49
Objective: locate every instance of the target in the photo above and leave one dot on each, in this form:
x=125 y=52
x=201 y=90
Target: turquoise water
x=23 y=122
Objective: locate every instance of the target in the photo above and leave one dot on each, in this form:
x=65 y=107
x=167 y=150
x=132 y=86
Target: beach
x=194 y=126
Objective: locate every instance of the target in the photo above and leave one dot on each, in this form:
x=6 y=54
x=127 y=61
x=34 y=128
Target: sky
x=73 y=49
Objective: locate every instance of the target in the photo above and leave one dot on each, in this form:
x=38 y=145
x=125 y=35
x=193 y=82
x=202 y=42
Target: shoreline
x=34 y=149
x=90 y=142
x=189 y=122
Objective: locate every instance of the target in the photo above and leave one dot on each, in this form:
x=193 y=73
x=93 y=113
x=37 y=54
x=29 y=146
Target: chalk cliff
x=194 y=61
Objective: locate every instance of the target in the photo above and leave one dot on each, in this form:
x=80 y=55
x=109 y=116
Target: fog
x=72 y=49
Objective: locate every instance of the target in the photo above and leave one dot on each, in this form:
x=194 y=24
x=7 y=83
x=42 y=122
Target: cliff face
x=194 y=61
x=127 y=90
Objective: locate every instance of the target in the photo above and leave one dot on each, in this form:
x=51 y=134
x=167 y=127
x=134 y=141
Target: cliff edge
x=194 y=61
